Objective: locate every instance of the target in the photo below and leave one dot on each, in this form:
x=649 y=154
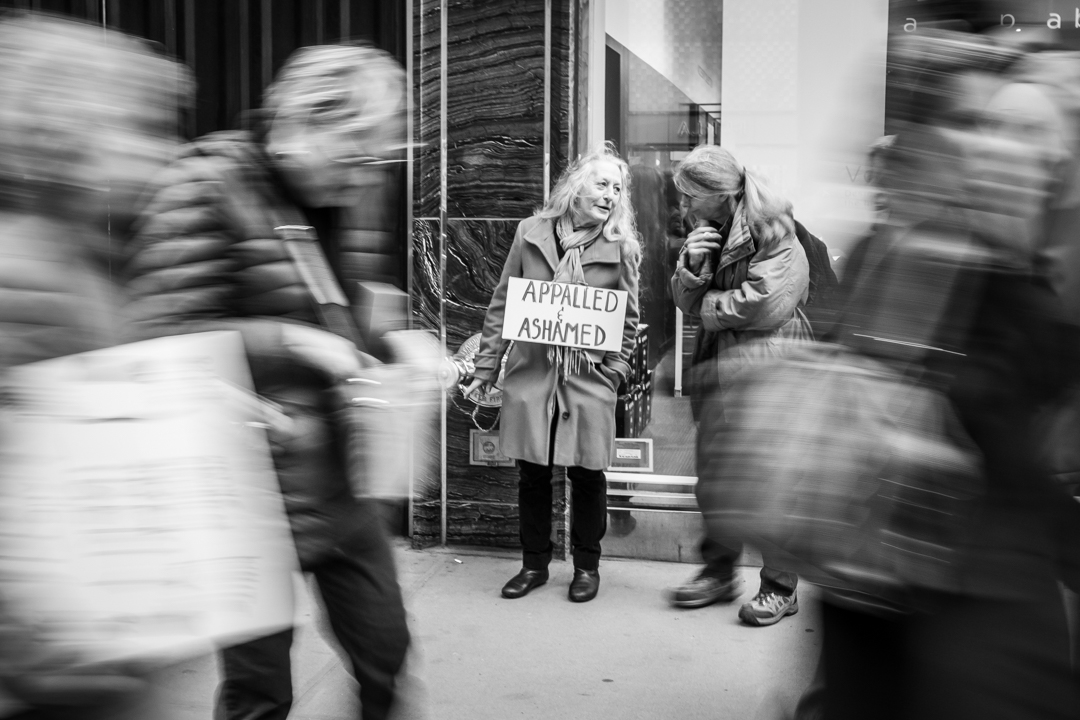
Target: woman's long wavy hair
x=710 y=170
x=620 y=225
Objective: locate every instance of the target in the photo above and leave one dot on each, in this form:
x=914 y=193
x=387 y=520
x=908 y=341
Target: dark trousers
x=721 y=555
x=588 y=520
x=359 y=588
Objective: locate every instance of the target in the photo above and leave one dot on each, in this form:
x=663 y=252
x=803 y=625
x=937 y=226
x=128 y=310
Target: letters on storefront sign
x=1008 y=20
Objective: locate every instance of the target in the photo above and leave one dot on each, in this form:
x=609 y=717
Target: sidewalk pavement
x=624 y=655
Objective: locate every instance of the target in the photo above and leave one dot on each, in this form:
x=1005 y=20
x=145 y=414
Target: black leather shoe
x=523 y=582
x=585 y=585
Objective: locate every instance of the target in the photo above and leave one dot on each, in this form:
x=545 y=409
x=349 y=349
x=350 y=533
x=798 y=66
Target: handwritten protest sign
x=555 y=313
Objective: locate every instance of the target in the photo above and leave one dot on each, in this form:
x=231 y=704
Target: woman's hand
x=475 y=385
x=700 y=244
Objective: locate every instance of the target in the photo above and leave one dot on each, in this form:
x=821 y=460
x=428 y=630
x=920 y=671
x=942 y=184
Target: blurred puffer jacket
x=56 y=297
x=206 y=257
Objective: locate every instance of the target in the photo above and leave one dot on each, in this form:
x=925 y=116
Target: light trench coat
x=583 y=407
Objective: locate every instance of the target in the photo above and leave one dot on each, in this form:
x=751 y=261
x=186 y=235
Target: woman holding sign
x=568 y=298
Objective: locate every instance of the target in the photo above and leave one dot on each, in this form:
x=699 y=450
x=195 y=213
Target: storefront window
x=662 y=98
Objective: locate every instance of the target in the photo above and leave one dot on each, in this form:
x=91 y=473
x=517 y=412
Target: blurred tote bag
x=140 y=509
x=859 y=474
x=385 y=413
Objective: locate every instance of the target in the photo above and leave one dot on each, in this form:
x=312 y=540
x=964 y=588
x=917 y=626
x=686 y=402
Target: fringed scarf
x=567 y=360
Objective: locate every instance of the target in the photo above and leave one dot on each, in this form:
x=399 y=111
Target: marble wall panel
x=426 y=287
x=427 y=44
x=485 y=524
x=495 y=141
x=476 y=251
x=495 y=108
x=426 y=524
x=562 y=71
x=427 y=478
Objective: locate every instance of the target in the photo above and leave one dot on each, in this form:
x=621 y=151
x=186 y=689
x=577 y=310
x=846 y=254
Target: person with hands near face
x=743 y=274
x=710 y=215
x=558 y=404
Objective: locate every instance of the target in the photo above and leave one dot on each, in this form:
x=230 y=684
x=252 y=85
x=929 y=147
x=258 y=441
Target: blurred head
x=713 y=182
x=88 y=117
x=944 y=78
x=922 y=176
x=335 y=121
x=595 y=190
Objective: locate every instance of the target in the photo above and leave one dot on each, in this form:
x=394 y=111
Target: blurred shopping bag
x=140 y=510
x=390 y=409
x=858 y=473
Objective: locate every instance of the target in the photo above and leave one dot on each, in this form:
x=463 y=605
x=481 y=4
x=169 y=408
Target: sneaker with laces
x=768 y=608
x=705 y=590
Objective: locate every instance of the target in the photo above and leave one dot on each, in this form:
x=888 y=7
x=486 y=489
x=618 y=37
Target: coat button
x=566 y=416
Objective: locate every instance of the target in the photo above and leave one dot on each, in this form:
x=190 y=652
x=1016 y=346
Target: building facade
x=504 y=93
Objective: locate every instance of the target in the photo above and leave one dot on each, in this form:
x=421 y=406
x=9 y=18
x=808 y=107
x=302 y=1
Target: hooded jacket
x=755 y=293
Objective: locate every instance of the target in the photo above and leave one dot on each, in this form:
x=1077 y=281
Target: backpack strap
x=330 y=303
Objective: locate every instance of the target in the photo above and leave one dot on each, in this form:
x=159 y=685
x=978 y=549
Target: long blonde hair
x=710 y=170
x=620 y=225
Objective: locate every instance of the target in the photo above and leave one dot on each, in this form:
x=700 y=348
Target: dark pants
x=363 y=603
x=720 y=558
x=588 y=521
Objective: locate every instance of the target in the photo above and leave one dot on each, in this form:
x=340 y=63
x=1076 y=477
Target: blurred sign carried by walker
x=140 y=509
x=555 y=313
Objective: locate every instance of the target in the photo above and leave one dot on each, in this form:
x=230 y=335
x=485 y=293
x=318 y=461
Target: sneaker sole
x=751 y=619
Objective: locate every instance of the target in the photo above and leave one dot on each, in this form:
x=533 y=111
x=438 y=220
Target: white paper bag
x=140 y=515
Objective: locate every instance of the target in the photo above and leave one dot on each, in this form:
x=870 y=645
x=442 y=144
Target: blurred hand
x=322 y=350
x=700 y=244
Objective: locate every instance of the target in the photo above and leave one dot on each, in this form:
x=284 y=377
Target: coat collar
x=542 y=235
x=740 y=244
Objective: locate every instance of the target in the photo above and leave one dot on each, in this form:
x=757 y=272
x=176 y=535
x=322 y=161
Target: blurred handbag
x=384 y=412
x=459 y=372
x=859 y=474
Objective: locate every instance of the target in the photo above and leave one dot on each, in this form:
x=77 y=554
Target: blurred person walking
x=89 y=117
x=946 y=291
x=559 y=402
x=211 y=255
x=744 y=274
